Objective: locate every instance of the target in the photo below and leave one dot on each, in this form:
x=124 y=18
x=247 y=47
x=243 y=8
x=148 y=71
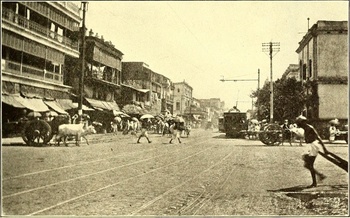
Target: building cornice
x=323 y=27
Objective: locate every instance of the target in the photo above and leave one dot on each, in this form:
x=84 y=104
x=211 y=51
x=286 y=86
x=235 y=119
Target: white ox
x=77 y=130
x=297 y=132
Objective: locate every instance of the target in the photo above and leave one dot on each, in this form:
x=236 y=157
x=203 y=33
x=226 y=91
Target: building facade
x=292 y=72
x=37 y=39
x=145 y=88
x=214 y=108
x=323 y=65
x=182 y=97
x=102 y=76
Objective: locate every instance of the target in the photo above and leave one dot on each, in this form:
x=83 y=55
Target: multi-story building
x=323 y=65
x=213 y=106
x=102 y=77
x=182 y=97
x=37 y=40
x=292 y=72
x=145 y=88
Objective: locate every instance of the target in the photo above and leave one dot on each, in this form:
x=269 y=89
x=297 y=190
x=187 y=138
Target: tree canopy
x=288 y=101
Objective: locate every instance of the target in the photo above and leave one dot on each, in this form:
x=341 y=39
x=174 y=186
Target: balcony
x=12 y=18
x=98 y=76
x=32 y=72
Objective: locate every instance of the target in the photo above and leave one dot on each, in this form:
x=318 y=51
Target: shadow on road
x=300 y=188
x=290 y=189
x=221 y=136
x=16 y=144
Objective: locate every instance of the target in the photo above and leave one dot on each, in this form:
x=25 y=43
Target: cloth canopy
x=66 y=104
x=33 y=104
x=12 y=100
x=83 y=107
x=105 y=105
x=143 y=90
x=55 y=106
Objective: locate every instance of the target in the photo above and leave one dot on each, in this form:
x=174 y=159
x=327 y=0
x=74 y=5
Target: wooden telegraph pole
x=81 y=78
x=271 y=47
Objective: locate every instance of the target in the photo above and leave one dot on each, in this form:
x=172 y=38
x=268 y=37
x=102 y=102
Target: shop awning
x=84 y=107
x=55 y=106
x=12 y=100
x=136 y=89
x=33 y=104
x=105 y=105
x=143 y=90
x=66 y=104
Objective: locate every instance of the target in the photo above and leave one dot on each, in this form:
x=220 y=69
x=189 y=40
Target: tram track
x=20 y=197
x=192 y=195
x=87 y=162
x=204 y=176
x=9 y=183
x=83 y=162
x=121 y=181
x=135 y=212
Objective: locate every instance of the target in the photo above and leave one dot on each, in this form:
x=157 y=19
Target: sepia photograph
x=174 y=108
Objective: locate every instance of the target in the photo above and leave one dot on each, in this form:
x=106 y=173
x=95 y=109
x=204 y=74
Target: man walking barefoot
x=145 y=123
x=174 y=129
x=313 y=141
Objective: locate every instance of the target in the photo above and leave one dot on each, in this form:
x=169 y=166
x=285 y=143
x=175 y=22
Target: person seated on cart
x=333 y=130
x=287 y=134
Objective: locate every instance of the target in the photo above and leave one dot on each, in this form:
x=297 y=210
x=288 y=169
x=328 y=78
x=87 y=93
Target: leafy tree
x=288 y=102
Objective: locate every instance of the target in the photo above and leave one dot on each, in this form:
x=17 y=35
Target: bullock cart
x=271 y=134
x=39 y=132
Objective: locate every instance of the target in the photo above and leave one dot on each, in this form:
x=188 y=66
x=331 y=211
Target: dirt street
x=207 y=174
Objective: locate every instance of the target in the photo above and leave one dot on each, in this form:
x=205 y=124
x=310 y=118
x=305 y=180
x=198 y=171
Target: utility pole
x=239 y=80
x=271 y=47
x=81 y=78
x=258 y=105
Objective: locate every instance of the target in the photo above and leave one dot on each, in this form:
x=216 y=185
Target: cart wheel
x=36 y=133
x=272 y=135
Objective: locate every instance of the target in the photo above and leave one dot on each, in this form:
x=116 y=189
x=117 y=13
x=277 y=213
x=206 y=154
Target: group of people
x=173 y=127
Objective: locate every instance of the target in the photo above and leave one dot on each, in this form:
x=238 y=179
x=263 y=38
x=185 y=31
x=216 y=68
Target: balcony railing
x=32 y=72
x=23 y=23
x=71 y=6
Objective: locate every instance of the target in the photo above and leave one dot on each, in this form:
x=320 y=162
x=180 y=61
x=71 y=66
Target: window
x=177 y=105
x=28 y=14
x=310 y=68
x=178 y=90
x=301 y=70
x=304 y=71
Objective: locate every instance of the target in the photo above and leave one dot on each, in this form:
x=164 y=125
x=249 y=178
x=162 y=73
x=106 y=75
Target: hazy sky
x=198 y=41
